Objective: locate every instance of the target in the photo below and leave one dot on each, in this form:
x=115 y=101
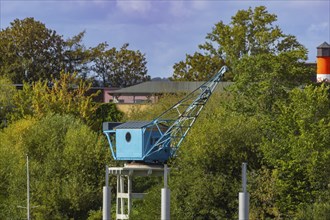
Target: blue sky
x=165 y=31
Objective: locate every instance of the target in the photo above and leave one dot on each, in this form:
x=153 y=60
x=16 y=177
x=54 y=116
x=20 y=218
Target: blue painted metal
x=134 y=139
x=158 y=140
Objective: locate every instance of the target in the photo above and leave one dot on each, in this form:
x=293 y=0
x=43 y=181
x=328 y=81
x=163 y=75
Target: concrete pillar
x=243 y=213
x=106 y=197
x=243 y=198
x=106 y=203
x=165 y=214
x=165 y=208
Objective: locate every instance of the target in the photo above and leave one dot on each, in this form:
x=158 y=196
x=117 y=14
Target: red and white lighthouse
x=323 y=63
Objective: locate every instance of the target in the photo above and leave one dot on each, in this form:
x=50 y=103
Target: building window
x=139 y=101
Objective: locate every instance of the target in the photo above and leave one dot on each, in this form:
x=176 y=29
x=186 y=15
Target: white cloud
x=200 y=5
x=324 y=26
x=184 y=8
x=99 y=2
x=141 y=7
x=179 y=8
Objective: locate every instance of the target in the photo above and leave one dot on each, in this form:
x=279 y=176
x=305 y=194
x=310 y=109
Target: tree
x=197 y=67
x=30 y=51
x=296 y=147
x=270 y=119
x=12 y=172
x=105 y=112
x=206 y=173
x=67 y=95
x=66 y=160
x=249 y=33
x=119 y=68
x=76 y=56
x=264 y=79
x=7 y=91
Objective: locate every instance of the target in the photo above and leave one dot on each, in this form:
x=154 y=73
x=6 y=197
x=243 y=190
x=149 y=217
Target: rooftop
x=133 y=124
x=156 y=87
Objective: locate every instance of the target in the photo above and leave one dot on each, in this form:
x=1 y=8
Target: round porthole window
x=128 y=137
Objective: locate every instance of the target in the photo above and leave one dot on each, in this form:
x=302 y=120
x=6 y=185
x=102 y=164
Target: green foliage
x=67 y=161
x=155 y=109
x=12 y=169
x=250 y=32
x=119 y=68
x=77 y=56
x=95 y=215
x=263 y=194
x=263 y=79
x=67 y=95
x=205 y=177
x=319 y=210
x=221 y=139
x=30 y=51
x=269 y=118
x=106 y=112
x=197 y=67
x=206 y=183
x=297 y=146
x=150 y=207
x=7 y=91
x=64 y=96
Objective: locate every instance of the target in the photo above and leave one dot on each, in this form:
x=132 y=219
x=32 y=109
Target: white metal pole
x=244 y=177
x=117 y=198
x=106 y=197
x=165 y=175
x=165 y=209
x=243 y=198
x=122 y=201
x=129 y=193
x=27 y=188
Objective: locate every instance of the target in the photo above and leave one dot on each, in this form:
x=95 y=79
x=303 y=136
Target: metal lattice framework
x=180 y=118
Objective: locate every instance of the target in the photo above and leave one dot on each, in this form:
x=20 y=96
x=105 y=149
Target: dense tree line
x=273 y=117
x=58 y=127
x=250 y=32
x=287 y=152
x=66 y=163
x=54 y=120
x=30 y=51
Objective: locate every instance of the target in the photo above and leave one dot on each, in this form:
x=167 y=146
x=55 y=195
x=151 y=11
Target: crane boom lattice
x=162 y=137
x=180 y=117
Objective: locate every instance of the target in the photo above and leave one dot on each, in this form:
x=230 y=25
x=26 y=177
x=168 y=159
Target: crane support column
x=165 y=210
x=106 y=197
x=243 y=207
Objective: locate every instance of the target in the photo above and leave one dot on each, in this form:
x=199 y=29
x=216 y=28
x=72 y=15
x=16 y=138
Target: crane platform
x=125 y=177
x=138 y=169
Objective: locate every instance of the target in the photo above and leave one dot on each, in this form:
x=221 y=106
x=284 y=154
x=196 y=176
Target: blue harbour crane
x=158 y=140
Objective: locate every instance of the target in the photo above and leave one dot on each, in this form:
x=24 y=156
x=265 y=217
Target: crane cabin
x=132 y=141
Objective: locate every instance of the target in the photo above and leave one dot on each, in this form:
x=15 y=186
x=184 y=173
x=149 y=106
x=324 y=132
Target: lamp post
x=243 y=209
x=27 y=190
